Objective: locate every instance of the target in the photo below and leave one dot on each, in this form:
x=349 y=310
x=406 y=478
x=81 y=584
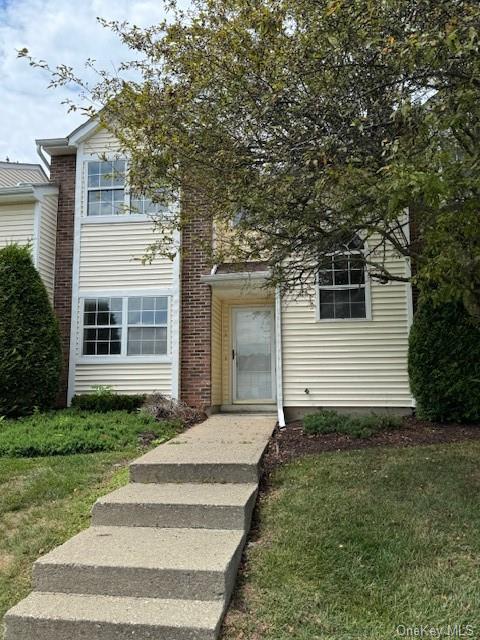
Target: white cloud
x=61 y=32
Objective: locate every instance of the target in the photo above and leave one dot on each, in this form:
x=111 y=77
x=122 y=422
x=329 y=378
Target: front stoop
x=160 y=559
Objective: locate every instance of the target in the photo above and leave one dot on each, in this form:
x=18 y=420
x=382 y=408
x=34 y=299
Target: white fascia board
x=241 y=276
x=26 y=193
x=81 y=133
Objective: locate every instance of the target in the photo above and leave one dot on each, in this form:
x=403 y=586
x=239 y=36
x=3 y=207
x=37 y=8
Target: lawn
x=45 y=500
x=353 y=544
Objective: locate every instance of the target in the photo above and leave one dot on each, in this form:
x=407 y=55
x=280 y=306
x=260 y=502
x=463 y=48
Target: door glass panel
x=253 y=357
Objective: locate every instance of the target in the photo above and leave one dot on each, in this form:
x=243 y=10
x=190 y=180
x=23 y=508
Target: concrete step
x=207 y=506
x=194 y=462
x=218 y=450
x=190 y=564
x=58 y=616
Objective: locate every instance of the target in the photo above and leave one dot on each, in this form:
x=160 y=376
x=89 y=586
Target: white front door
x=253 y=354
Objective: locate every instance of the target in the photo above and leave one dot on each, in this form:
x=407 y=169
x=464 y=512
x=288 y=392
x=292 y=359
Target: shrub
x=162 y=407
x=103 y=399
x=71 y=431
x=356 y=426
x=30 y=351
x=444 y=363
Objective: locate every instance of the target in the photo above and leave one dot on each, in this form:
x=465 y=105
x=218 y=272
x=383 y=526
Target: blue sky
x=59 y=31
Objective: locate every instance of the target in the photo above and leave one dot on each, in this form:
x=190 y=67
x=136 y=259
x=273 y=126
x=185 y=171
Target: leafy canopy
x=306 y=121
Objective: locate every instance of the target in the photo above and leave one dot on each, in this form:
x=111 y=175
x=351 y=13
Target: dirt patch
x=291 y=442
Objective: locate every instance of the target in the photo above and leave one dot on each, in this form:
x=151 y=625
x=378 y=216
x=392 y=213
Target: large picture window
x=342 y=285
x=108 y=195
x=125 y=326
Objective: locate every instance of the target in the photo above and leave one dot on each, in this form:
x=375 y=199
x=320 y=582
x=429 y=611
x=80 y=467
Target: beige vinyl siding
x=16 y=223
x=110 y=258
x=347 y=363
x=101 y=142
x=47 y=242
x=216 y=351
x=125 y=377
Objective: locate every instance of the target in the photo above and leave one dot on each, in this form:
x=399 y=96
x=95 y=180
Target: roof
x=68 y=145
x=14 y=173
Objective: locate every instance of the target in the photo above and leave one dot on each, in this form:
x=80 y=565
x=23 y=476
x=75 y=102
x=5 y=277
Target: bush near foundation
x=444 y=363
x=30 y=351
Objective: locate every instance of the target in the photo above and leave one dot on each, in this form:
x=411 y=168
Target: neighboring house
x=217 y=338
x=28 y=214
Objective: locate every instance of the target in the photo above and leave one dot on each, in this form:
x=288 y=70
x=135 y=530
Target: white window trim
x=366 y=287
x=109 y=219
x=123 y=358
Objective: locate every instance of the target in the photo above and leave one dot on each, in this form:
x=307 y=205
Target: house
x=217 y=338
x=28 y=214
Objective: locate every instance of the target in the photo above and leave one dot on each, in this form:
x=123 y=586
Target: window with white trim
x=108 y=195
x=125 y=326
x=341 y=284
x=147 y=326
x=106 y=188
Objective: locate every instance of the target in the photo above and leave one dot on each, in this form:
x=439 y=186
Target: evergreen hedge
x=30 y=351
x=444 y=363
x=103 y=402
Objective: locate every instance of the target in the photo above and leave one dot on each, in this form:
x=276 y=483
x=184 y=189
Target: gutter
x=27 y=192
x=232 y=277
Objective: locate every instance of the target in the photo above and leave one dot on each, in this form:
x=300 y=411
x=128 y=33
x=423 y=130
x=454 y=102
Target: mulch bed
x=290 y=443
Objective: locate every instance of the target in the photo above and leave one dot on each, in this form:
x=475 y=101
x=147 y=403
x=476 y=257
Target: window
x=147 y=326
x=341 y=285
x=107 y=194
x=106 y=188
x=133 y=326
x=102 y=321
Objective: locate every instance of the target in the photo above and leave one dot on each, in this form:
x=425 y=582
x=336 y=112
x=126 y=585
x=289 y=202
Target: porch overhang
x=239 y=284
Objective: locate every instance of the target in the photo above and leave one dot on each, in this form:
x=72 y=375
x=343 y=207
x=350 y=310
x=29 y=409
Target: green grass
x=356 y=426
x=74 y=431
x=46 y=500
x=353 y=544
x=43 y=502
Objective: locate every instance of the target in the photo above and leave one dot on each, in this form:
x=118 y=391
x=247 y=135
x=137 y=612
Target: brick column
x=195 y=376
x=62 y=172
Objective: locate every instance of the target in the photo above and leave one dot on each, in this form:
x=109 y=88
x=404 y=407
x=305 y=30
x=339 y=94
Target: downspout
x=42 y=157
x=278 y=357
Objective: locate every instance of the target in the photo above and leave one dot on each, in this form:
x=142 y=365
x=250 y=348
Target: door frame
x=233 y=346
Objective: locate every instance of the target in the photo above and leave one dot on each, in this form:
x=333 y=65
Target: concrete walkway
x=160 y=559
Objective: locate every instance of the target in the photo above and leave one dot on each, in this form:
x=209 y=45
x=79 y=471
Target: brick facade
x=62 y=172
x=196 y=306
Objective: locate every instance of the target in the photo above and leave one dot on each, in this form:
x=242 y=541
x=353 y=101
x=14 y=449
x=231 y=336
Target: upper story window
x=108 y=195
x=342 y=284
x=106 y=188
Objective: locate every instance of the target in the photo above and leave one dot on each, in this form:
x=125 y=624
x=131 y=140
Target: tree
x=307 y=121
x=444 y=362
x=30 y=352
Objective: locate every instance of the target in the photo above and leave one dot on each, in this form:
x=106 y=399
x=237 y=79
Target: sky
x=60 y=32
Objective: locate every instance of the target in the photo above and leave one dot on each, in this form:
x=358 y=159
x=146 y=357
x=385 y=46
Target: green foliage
x=356 y=426
x=71 y=431
x=104 y=399
x=315 y=120
x=444 y=363
x=30 y=351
